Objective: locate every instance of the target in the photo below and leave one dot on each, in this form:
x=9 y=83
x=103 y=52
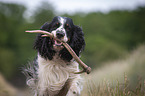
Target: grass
x=124 y=77
x=121 y=89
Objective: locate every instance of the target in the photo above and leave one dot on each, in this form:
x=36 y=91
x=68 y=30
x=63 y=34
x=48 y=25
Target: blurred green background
x=109 y=36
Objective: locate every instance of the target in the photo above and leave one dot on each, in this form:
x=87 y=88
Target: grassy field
x=124 y=77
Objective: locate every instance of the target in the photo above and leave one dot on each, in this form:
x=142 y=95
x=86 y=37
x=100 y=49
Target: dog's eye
x=56 y=25
x=67 y=27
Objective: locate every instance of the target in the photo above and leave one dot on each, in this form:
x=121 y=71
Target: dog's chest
x=53 y=74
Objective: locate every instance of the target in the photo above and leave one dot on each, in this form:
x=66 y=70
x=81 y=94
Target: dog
x=52 y=72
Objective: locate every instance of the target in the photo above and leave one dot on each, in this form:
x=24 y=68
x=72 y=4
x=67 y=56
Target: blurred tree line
x=108 y=36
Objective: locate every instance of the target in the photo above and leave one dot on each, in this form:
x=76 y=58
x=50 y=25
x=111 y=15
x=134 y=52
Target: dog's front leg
x=65 y=89
x=76 y=87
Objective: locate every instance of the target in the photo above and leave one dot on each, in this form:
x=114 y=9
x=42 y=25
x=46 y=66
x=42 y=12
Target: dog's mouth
x=57 y=43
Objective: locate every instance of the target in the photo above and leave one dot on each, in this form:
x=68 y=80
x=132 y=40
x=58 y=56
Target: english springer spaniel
x=52 y=73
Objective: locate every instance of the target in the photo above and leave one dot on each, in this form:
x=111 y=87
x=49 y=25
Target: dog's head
x=64 y=29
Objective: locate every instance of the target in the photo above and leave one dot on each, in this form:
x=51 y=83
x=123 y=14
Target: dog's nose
x=59 y=34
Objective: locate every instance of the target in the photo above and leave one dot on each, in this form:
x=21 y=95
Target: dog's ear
x=44 y=45
x=77 y=43
x=45 y=26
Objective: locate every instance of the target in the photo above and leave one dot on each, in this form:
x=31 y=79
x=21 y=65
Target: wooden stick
x=83 y=65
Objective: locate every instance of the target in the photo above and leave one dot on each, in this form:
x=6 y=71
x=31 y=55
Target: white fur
x=53 y=74
x=61 y=28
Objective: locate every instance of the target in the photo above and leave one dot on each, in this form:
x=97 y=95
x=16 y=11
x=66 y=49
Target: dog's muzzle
x=58 y=45
x=60 y=34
